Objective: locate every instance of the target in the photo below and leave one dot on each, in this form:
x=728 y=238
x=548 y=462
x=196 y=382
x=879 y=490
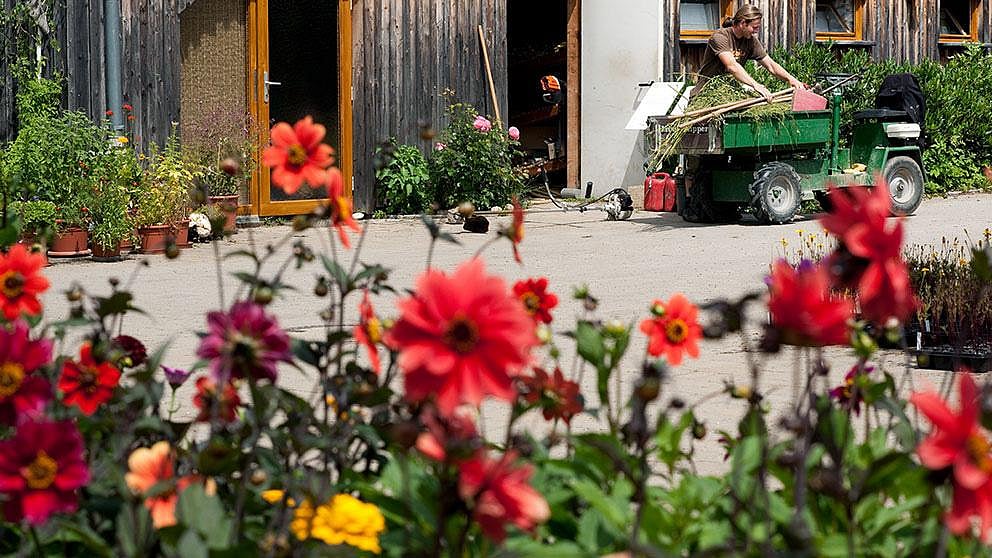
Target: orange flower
x=297 y=155
x=340 y=206
x=21 y=282
x=802 y=308
x=151 y=466
x=368 y=332
x=534 y=295
x=674 y=329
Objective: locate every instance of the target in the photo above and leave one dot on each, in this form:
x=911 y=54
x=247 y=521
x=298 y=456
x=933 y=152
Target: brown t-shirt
x=723 y=40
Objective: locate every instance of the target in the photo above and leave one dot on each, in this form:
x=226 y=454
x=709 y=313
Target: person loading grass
x=733 y=45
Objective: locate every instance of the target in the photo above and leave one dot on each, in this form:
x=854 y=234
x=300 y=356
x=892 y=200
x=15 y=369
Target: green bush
x=473 y=165
x=404 y=180
x=959 y=115
x=164 y=194
x=35 y=217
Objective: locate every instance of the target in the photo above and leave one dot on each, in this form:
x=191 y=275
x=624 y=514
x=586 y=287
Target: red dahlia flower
x=958 y=439
x=451 y=438
x=244 y=342
x=22 y=392
x=850 y=394
x=859 y=218
x=341 y=216
x=206 y=395
x=41 y=467
x=87 y=383
x=368 y=332
x=501 y=494
x=557 y=397
x=537 y=301
x=803 y=309
x=461 y=337
x=134 y=352
x=297 y=155
x=21 y=282
x=673 y=330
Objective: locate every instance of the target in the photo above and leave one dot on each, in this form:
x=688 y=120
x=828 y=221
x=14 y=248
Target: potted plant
x=220 y=146
x=163 y=202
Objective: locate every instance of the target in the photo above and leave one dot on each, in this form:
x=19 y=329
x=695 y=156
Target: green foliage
x=218 y=135
x=473 y=165
x=958 y=119
x=404 y=181
x=164 y=192
x=36 y=216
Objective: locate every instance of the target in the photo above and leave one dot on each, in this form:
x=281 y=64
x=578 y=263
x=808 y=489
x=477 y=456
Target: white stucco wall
x=619 y=50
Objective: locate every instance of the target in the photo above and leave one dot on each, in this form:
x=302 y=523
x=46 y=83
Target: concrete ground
x=625 y=264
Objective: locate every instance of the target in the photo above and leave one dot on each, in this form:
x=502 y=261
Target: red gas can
x=659 y=192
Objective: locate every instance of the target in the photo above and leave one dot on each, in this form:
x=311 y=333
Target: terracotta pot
x=127 y=245
x=153 y=238
x=70 y=242
x=32 y=243
x=181 y=232
x=105 y=254
x=229 y=205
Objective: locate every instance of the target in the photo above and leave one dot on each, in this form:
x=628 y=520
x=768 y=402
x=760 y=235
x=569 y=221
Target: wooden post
x=573 y=108
x=489 y=75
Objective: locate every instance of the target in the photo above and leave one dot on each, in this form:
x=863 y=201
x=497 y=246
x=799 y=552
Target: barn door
x=300 y=61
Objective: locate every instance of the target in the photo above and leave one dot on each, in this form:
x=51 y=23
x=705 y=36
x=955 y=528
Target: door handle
x=265 y=85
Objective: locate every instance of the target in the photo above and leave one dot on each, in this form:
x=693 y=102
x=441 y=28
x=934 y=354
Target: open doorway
x=537 y=46
x=301 y=57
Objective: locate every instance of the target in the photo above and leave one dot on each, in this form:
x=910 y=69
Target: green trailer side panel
x=793 y=130
x=732 y=185
x=866 y=138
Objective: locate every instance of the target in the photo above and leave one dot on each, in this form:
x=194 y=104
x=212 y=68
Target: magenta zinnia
x=22 y=392
x=41 y=468
x=244 y=342
x=461 y=337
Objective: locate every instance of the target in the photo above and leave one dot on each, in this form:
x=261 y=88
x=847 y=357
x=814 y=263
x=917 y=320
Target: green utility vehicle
x=771 y=165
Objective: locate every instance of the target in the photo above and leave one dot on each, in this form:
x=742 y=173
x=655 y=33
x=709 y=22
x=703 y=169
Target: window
x=699 y=18
x=840 y=20
x=958 y=21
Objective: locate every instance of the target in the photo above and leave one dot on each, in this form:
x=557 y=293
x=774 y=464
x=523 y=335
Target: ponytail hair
x=747 y=13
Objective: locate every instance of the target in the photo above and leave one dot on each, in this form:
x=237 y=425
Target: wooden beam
x=573 y=98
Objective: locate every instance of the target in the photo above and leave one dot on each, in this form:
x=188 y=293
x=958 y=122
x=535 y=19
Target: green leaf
x=338 y=274
x=117 y=303
x=204 y=513
x=93 y=542
x=981 y=263
x=191 y=545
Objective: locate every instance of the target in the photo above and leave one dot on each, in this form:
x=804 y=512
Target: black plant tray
x=974 y=355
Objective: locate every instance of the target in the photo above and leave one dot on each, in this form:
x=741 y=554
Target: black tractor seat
x=884 y=115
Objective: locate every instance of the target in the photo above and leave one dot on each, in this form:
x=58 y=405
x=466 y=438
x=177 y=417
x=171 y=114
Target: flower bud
x=301 y=223
x=466 y=208
x=258 y=477
x=263 y=295
x=320 y=289
x=230 y=166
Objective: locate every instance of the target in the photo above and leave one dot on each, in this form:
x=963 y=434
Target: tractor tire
x=776 y=193
x=905 y=180
x=700 y=207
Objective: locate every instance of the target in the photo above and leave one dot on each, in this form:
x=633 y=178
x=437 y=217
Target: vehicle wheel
x=776 y=193
x=905 y=180
x=702 y=209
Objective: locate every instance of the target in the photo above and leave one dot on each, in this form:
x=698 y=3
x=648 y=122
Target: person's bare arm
x=781 y=73
x=742 y=76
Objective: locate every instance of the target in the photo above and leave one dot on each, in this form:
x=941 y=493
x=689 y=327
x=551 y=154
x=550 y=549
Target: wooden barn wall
x=901 y=30
x=406 y=53
x=150 y=64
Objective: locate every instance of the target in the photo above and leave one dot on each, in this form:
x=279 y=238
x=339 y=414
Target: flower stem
x=37 y=542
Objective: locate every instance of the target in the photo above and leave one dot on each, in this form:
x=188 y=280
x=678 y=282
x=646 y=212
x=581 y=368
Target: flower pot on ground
x=69 y=242
x=109 y=191
x=180 y=231
x=106 y=254
x=153 y=238
x=37 y=218
x=228 y=205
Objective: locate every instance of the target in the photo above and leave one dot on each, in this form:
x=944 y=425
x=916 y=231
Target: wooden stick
x=708 y=110
x=489 y=74
x=743 y=104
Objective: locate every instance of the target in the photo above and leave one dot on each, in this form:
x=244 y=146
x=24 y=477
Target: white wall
x=619 y=50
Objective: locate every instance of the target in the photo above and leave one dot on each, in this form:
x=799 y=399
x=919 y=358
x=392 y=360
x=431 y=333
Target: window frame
x=726 y=10
x=972 y=36
x=856 y=34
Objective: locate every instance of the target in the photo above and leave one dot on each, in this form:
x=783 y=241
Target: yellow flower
x=122 y=140
x=343 y=520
